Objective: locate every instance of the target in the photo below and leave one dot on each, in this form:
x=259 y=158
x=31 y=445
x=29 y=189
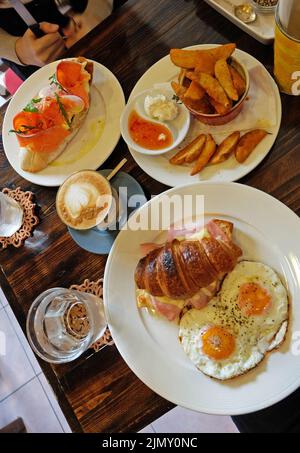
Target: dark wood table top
x=99 y=393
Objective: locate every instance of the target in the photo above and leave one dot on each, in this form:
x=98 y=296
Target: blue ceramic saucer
x=99 y=241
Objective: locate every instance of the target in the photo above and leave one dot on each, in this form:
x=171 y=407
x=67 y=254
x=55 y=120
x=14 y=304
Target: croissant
x=179 y=269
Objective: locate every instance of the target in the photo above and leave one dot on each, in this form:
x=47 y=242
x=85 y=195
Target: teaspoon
x=244 y=12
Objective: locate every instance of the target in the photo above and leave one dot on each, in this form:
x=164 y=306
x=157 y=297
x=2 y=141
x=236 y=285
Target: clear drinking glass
x=11 y=216
x=63 y=323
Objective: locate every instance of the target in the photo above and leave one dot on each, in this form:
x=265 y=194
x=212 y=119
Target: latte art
x=80 y=197
x=84 y=200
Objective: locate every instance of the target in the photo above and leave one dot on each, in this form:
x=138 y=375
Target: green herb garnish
x=176 y=99
x=63 y=111
x=53 y=81
x=30 y=107
x=20 y=131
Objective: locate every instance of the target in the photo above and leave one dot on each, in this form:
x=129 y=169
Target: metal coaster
x=96 y=288
x=30 y=219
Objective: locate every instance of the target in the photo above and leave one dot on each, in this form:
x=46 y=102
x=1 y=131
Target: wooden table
x=99 y=393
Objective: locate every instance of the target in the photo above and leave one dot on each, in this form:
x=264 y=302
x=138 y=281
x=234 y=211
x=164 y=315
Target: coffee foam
x=84 y=200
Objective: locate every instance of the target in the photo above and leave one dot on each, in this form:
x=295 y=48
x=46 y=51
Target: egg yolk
x=218 y=343
x=253 y=299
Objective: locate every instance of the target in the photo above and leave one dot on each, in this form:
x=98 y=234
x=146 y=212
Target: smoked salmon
x=51 y=119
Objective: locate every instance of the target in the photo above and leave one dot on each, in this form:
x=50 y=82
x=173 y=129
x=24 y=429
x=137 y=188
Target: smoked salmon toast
x=51 y=120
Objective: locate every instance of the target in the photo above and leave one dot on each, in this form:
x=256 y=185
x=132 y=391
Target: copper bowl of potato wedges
x=212 y=83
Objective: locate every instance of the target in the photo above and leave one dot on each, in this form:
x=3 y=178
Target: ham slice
x=217 y=232
x=184 y=230
x=169 y=311
x=204 y=296
x=148 y=247
x=199 y=300
x=212 y=227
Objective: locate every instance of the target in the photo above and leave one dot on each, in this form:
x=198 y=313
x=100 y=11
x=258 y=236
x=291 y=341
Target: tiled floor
x=181 y=420
x=25 y=392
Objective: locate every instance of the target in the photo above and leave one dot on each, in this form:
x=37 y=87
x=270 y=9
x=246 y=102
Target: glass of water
x=63 y=323
x=11 y=216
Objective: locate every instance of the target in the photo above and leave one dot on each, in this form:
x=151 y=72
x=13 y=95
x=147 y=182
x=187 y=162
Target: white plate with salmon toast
x=96 y=138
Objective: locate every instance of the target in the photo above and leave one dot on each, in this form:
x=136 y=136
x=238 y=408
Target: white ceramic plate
x=150 y=345
x=159 y=168
x=262 y=29
x=95 y=140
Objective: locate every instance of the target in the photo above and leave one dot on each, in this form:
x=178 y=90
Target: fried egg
x=257 y=296
x=248 y=318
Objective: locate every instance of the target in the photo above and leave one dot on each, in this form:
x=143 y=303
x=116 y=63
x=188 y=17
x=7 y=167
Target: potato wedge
x=226 y=148
x=186 y=59
x=223 y=75
x=209 y=58
x=238 y=81
x=211 y=86
x=205 y=155
x=194 y=151
x=182 y=80
x=199 y=106
x=225 y=51
x=206 y=64
x=191 y=75
x=219 y=108
x=179 y=90
x=189 y=59
x=190 y=152
x=194 y=92
x=205 y=57
x=248 y=143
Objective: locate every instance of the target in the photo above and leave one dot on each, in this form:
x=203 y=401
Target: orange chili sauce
x=146 y=133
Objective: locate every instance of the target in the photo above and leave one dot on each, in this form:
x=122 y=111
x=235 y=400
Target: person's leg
x=284 y=417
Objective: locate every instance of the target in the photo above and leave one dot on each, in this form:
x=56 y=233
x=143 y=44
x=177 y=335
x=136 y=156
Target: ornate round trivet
x=30 y=220
x=95 y=288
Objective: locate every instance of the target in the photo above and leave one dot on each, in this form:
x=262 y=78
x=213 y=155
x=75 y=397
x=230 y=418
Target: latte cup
x=84 y=200
x=113 y=219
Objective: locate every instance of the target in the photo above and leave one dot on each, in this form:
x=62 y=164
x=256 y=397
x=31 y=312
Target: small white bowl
x=179 y=126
